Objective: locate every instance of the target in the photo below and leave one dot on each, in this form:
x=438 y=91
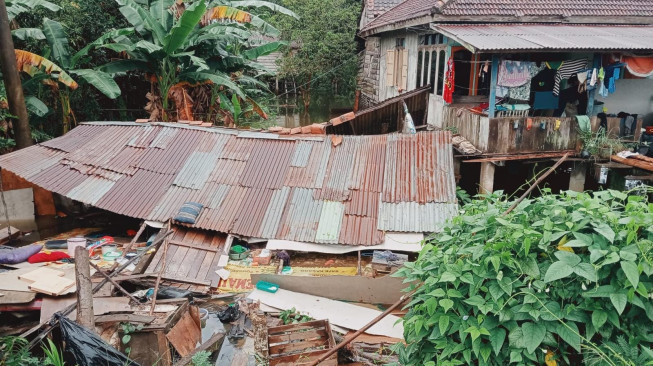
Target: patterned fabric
x=514 y=73
x=521 y=92
x=188 y=212
x=449 y=82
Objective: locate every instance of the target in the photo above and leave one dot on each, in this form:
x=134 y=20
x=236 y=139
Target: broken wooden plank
x=53 y=286
x=40 y=273
x=120 y=318
x=194 y=246
x=519 y=157
x=185 y=335
x=641 y=164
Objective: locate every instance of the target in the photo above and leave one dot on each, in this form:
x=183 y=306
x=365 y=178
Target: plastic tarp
x=641 y=66
x=88 y=348
x=400 y=242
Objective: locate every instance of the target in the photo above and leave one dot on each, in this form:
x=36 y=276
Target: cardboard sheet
x=339 y=313
x=400 y=242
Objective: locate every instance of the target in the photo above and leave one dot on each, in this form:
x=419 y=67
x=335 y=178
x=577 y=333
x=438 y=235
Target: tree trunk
x=12 y=82
x=85 y=315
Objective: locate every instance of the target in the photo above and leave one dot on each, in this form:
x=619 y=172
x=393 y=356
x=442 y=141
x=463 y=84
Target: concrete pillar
x=577 y=177
x=487 y=178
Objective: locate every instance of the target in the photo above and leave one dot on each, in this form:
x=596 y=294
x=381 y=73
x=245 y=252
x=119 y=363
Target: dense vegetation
x=174 y=59
x=562 y=279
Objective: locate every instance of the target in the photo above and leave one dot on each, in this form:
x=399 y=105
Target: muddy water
x=235 y=352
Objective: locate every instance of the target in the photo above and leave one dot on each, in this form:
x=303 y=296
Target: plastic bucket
x=108 y=248
x=204 y=316
x=74 y=243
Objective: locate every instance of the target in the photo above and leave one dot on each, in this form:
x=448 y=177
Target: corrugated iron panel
x=215 y=194
x=369 y=165
x=197 y=169
x=76 y=138
x=419 y=168
x=166 y=157
x=414 y=217
x=359 y=230
x=489 y=37
x=223 y=218
x=339 y=170
x=168 y=206
x=125 y=161
x=301 y=154
x=237 y=149
x=136 y=195
x=328 y=229
x=275 y=209
x=144 y=137
x=28 y=163
x=58 y=178
x=301 y=218
x=103 y=147
x=312 y=175
x=268 y=164
x=362 y=203
x=90 y=190
x=227 y=171
x=252 y=211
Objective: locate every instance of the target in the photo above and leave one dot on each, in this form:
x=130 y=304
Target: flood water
x=290 y=112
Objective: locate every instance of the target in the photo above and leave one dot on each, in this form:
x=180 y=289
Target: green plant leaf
x=619 y=301
x=558 y=270
x=126 y=338
x=446 y=304
x=631 y=271
x=570 y=258
x=443 y=324
x=36 y=106
x=28 y=33
x=100 y=41
x=533 y=335
x=184 y=26
x=605 y=230
x=586 y=270
x=497 y=337
x=599 y=317
x=101 y=81
x=58 y=41
x=140 y=19
x=447 y=277
x=571 y=336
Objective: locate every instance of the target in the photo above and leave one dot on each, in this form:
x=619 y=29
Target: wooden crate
x=301 y=344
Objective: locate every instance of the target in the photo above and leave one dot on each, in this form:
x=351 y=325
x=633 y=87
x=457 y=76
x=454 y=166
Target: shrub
x=556 y=281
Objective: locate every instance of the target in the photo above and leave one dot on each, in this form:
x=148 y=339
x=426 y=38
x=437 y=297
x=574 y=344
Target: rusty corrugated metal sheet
x=537 y=37
x=273 y=188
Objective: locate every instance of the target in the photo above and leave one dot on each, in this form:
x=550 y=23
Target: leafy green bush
x=557 y=281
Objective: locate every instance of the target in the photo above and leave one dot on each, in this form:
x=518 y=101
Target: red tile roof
x=426 y=11
x=253 y=184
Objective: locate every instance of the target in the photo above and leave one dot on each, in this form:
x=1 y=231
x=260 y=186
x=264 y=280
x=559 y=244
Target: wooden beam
x=85 y=315
x=193 y=246
x=212 y=344
x=634 y=163
x=519 y=157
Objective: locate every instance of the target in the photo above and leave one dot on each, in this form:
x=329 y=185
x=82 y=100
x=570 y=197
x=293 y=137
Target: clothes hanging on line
x=514 y=73
x=567 y=69
x=449 y=81
x=641 y=66
x=522 y=92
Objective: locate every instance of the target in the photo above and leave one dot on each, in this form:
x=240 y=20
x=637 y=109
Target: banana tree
x=59 y=50
x=181 y=45
x=17 y=7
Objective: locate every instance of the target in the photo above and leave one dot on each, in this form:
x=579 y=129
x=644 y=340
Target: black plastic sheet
x=88 y=348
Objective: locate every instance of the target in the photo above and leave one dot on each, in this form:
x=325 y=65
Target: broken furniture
x=301 y=344
x=173 y=325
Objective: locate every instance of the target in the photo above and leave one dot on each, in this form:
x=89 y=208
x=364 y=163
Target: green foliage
x=564 y=275
x=14 y=351
x=292 y=316
x=127 y=330
x=201 y=358
x=52 y=355
x=324 y=60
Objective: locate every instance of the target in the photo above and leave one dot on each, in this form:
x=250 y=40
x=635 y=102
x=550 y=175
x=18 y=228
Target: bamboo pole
x=538 y=181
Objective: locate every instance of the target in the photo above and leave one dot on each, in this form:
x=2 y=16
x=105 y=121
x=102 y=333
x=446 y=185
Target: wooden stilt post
x=360 y=272
x=85 y=315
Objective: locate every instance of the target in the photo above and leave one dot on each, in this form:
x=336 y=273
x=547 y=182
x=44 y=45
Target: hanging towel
x=593 y=78
x=582 y=81
x=583 y=123
x=449 y=81
x=603 y=91
x=568 y=69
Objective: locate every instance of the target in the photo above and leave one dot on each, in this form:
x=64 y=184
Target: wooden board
x=4 y=234
x=192 y=257
x=185 y=335
x=41 y=273
x=300 y=344
x=53 y=286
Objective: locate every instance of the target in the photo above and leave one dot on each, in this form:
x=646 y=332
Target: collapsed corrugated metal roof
x=543 y=37
x=252 y=184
